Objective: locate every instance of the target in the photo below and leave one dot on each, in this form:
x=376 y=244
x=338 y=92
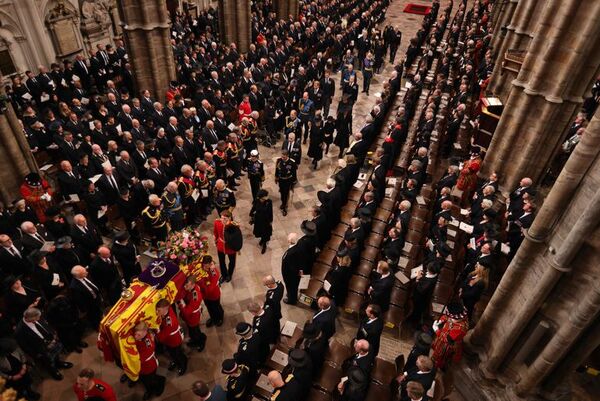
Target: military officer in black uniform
x=262 y=324
x=223 y=197
x=155 y=220
x=273 y=299
x=238 y=378
x=172 y=206
x=256 y=172
x=248 y=352
x=285 y=176
x=288 y=389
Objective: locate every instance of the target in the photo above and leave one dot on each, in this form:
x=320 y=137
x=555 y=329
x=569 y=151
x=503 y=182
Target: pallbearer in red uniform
x=171 y=336
x=144 y=342
x=87 y=386
x=211 y=292
x=190 y=309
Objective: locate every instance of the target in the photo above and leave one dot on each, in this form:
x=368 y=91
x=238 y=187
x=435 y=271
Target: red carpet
x=417 y=9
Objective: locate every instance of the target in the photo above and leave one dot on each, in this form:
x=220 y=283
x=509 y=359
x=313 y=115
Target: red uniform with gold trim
x=170 y=331
x=148 y=361
x=101 y=390
x=448 y=344
x=186 y=186
x=191 y=307
x=209 y=285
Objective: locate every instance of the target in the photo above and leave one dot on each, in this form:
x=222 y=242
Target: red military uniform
x=448 y=343
x=219 y=234
x=191 y=307
x=101 y=390
x=148 y=360
x=170 y=332
x=209 y=285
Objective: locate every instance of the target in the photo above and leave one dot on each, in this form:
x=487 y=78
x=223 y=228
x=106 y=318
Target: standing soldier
x=211 y=292
x=367 y=72
x=190 y=309
x=248 y=352
x=273 y=298
x=171 y=336
x=220 y=159
x=155 y=220
x=172 y=206
x=248 y=130
x=223 y=197
x=187 y=187
x=256 y=172
x=144 y=342
x=238 y=377
x=307 y=113
x=87 y=387
x=234 y=165
x=285 y=176
x=291 y=123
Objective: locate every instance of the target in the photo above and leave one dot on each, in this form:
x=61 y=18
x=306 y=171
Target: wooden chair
x=319 y=271
x=354 y=302
x=329 y=378
x=358 y=284
x=365 y=268
x=370 y=253
x=337 y=353
x=383 y=372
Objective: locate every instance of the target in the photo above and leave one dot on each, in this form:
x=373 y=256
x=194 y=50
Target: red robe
x=170 y=332
x=148 y=361
x=32 y=196
x=448 y=344
x=467 y=180
x=191 y=308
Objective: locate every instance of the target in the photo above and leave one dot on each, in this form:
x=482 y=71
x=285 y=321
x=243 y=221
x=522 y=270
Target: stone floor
x=252 y=266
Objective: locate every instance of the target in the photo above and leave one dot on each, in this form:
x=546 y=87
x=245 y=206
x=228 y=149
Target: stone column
x=147 y=33
x=502 y=19
x=562 y=238
x=282 y=8
x=560 y=63
x=235 y=24
x=518 y=35
x=16 y=156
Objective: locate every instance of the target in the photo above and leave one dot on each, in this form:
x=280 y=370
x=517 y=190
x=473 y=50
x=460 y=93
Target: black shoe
x=264 y=249
x=131 y=383
x=56 y=375
x=83 y=344
x=221 y=279
x=228 y=279
x=209 y=323
x=219 y=323
x=172 y=366
x=181 y=371
x=287 y=301
x=64 y=365
x=123 y=378
x=147 y=396
x=284 y=212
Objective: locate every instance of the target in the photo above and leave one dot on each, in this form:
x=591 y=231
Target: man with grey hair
x=291 y=269
x=263 y=323
x=38 y=340
x=273 y=297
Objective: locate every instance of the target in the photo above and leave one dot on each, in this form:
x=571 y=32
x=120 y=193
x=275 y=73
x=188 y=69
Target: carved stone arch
x=10 y=24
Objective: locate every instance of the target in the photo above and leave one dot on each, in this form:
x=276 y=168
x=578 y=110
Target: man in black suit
x=82 y=71
x=126 y=169
x=380 y=290
x=86 y=237
x=181 y=155
x=104 y=273
x=291 y=269
x=516 y=196
x=293 y=146
x=371 y=327
x=13 y=259
x=86 y=296
x=109 y=184
x=210 y=135
x=68 y=148
x=156 y=174
x=38 y=340
x=324 y=319
x=368 y=202
x=308 y=244
x=34 y=237
x=127 y=255
x=363 y=358
x=221 y=125
x=263 y=325
x=273 y=297
x=69 y=180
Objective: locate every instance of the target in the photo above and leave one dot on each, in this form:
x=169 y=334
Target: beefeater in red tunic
x=144 y=342
x=190 y=310
x=450 y=330
x=171 y=336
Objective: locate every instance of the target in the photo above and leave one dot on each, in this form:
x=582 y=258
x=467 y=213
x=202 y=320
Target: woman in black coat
x=64 y=318
x=315 y=149
x=339 y=276
x=472 y=289
x=19 y=297
x=328 y=129
x=262 y=216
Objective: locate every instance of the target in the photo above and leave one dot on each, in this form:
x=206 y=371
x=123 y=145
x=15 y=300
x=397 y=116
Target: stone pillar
x=235 y=24
x=147 y=33
x=502 y=19
x=561 y=61
x=562 y=239
x=286 y=7
x=16 y=156
x=517 y=36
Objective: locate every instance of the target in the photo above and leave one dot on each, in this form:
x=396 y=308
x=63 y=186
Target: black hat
x=456 y=310
x=443 y=249
x=423 y=340
x=308 y=227
x=228 y=366
x=37 y=256
x=52 y=211
x=310 y=331
x=242 y=329
x=62 y=241
x=122 y=236
x=262 y=193
x=298 y=358
x=349 y=236
x=9 y=281
x=7 y=345
x=475 y=150
x=342 y=252
x=173 y=84
x=323 y=197
x=33 y=179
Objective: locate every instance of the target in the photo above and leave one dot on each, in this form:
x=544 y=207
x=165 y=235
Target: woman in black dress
x=328 y=129
x=262 y=216
x=315 y=149
x=96 y=202
x=473 y=287
x=339 y=276
x=19 y=297
x=47 y=274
